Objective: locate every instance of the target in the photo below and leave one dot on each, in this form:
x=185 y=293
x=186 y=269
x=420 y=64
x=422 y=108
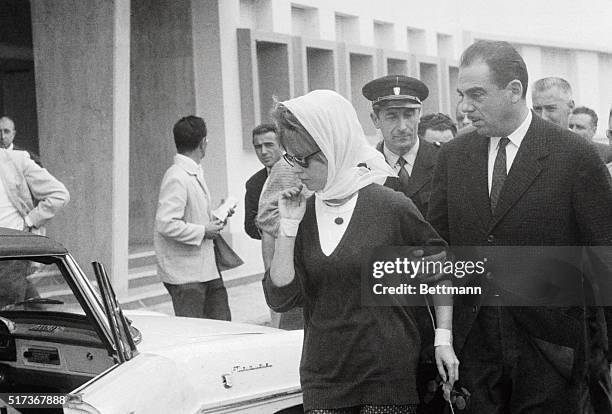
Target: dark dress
x=354 y=355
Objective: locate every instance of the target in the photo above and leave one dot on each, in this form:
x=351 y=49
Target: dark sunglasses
x=301 y=161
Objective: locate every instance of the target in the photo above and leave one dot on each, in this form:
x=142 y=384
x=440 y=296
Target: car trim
x=87 y=293
x=242 y=403
x=77 y=392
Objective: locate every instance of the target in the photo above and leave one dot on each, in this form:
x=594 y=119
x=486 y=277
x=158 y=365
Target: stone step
x=146 y=296
x=143 y=276
x=140 y=256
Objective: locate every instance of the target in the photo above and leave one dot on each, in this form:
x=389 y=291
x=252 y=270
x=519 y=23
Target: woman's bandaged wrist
x=288 y=227
x=442 y=337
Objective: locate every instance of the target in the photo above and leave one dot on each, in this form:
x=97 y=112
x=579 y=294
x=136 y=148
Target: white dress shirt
x=516 y=138
x=410 y=157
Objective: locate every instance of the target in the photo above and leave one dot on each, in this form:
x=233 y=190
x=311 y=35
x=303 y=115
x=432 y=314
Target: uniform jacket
x=254 y=185
x=557 y=193
x=419 y=187
x=33 y=191
x=183 y=210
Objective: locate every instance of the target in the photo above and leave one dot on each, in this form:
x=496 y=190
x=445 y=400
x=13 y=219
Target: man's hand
x=419 y=254
x=213 y=229
x=292 y=203
x=230 y=212
x=448 y=368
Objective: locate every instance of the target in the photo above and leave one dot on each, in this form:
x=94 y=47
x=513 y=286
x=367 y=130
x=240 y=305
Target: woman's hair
x=291 y=132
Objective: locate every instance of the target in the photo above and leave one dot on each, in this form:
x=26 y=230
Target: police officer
x=396 y=109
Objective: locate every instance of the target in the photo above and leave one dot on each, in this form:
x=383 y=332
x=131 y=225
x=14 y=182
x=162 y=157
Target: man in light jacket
x=29 y=195
x=185 y=229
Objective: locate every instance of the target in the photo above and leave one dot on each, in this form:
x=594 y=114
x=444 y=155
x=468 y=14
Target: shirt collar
x=410 y=156
x=187 y=164
x=518 y=135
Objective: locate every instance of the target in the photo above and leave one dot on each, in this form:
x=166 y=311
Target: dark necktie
x=403 y=175
x=499 y=172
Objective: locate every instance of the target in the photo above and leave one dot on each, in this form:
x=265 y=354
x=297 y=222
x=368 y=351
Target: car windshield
x=35 y=285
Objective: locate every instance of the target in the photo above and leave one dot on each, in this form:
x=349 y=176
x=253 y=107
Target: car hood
x=159 y=332
x=200 y=365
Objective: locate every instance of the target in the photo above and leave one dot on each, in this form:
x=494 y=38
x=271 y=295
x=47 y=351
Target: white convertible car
x=62 y=334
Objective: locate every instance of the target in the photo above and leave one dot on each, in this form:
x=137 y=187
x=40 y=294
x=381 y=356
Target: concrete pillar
x=327 y=23
x=281 y=16
x=366 y=31
x=81 y=56
x=161 y=92
x=208 y=92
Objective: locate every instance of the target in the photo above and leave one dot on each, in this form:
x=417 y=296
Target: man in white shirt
x=29 y=195
x=185 y=229
x=7 y=132
x=7 y=136
x=517 y=180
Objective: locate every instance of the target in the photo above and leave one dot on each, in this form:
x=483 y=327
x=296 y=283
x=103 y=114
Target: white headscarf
x=332 y=121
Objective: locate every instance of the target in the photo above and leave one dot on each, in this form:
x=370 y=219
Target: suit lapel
x=475 y=180
x=525 y=168
x=421 y=171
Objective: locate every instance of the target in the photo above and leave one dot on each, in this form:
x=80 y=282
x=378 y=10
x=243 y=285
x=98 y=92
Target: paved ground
x=247 y=304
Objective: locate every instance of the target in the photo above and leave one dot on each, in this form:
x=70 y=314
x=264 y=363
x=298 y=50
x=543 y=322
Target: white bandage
x=442 y=337
x=288 y=227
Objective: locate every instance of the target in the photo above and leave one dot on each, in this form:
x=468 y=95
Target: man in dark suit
x=437 y=128
x=396 y=108
x=517 y=180
x=268 y=151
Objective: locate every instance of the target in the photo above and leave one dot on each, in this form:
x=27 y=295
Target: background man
x=396 y=108
x=437 y=128
x=185 y=229
x=583 y=121
x=7 y=136
x=268 y=152
x=552 y=100
x=519 y=181
x=7 y=132
x=29 y=195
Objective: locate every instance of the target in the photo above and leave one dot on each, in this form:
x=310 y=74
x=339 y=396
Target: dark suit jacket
x=605 y=151
x=254 y=185
x=557 y=193
x=419 y=186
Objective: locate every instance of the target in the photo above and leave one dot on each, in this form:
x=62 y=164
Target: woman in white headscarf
x=356 y=359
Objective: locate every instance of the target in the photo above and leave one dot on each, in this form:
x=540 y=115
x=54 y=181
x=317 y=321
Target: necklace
x=337 y=203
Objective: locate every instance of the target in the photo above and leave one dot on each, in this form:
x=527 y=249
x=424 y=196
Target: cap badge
x=396 y=90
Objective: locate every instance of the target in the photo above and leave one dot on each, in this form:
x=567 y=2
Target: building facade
x=96 y=85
